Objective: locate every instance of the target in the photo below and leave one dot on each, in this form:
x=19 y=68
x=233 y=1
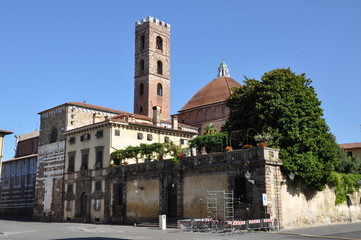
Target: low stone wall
x=302 y=208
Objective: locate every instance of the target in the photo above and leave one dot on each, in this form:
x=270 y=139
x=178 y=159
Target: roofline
x=200 y=107
x=347 y=145
x=85 y=105
x=86 y=127
x=165 y=128
x=5 y=132
x=22 y=157
x=109 y=122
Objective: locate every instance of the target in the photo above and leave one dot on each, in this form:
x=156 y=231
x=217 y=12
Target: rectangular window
x=117 y=132
x=99 y=157
x=140 y=136
x=99 y=134
x=149 y=137
x=98 y=186
x=84 y=159
x=72 y=140
x=85 y=137
x=70 y=188
x=166 y=139
x=71 y=161
x=97 y=204
x=184 y=141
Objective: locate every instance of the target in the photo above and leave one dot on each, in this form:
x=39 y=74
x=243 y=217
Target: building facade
x=88 y=193
x=18 y=177
x=352 y=149
x=51 y=152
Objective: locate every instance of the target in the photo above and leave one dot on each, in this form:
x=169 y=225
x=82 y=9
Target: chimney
x=131 y=118
x=175 y=122
x=156 y=115
x=96 y=117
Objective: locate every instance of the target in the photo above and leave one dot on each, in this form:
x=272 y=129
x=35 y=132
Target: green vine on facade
x=148 y=152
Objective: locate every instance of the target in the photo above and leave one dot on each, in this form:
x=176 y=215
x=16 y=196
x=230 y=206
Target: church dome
x=215 y=91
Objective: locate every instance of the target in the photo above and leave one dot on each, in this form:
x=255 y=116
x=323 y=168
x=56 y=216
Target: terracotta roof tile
x=218 y=90
x=5 y=131
x=95 y=107
x=350 y=145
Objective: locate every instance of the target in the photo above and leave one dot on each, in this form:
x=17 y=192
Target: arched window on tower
x=160 y=67
x=159 y=89
x=159 y=43
x=140 y=109
x=141 y=89
x=142 y=42
x=141 y=65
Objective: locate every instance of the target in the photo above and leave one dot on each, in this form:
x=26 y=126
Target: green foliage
x=215 y=142
x=174 y=150
x=348 y=164
x=210 y=128
x=344 y=184
x=287 y=104
x=146 y=151
x=263 y=137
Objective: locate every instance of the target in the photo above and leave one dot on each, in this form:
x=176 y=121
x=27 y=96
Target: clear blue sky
x=52 y=52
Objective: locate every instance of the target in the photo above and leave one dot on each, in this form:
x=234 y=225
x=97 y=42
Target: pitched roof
x=350 y=145
x=5 y=132
x=86 y=105
x=218 y=90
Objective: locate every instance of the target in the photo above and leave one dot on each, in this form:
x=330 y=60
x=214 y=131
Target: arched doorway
x=172 y=201
x=83 y=205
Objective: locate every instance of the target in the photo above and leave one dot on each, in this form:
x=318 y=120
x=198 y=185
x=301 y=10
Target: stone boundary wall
x=302 y=209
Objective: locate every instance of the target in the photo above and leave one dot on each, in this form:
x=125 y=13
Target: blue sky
x=57 y=51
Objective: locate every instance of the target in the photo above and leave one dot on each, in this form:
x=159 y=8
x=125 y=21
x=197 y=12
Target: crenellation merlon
x=150 y=19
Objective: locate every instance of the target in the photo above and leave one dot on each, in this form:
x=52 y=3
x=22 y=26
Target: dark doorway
x=83 y=205
x=172 y=201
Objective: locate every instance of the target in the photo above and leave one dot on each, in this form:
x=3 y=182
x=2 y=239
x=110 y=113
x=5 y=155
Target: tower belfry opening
x=152 y=67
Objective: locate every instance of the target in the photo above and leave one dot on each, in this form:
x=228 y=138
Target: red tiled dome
x=216 y=91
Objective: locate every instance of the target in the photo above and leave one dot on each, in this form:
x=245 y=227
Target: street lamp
x=291 y=176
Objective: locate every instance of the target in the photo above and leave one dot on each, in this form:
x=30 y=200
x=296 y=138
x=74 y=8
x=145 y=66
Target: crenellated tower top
x=150 y=19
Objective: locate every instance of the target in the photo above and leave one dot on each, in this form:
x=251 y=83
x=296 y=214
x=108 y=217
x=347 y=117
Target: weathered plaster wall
x=142 y=199
x=49 y=181
x=301 y=210
x=195 y=192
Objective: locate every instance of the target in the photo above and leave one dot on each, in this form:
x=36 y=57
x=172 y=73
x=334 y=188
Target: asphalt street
x=29 y=230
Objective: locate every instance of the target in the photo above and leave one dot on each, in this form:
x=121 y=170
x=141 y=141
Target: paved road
x=28 y=230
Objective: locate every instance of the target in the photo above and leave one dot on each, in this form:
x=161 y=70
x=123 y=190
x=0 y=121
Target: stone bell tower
x=152 y=67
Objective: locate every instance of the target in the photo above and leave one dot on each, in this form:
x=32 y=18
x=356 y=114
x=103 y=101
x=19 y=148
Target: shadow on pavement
x=92 y=238
x=18 y=219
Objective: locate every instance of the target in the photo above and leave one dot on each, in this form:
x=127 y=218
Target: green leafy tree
x=288 y=105
x=348 y=164
x=212 y=143
x=210 y=128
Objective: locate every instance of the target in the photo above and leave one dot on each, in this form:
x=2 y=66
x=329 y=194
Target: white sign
x=264 y=199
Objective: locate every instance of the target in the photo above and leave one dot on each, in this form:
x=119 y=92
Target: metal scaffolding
x=220 y=205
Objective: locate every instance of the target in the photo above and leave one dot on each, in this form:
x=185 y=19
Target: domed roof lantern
x=223 y=70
